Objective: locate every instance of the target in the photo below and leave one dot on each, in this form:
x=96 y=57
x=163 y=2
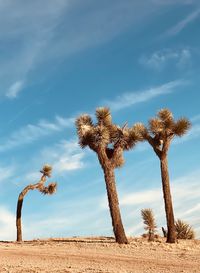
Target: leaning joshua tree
x=108 y=141
x=150 y=223
x=50 y=189
x=159 y=134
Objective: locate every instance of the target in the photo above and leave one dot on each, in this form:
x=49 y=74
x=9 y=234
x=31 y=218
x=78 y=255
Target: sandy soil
x=94 y=255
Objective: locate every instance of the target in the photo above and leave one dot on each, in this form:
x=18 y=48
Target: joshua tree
x=108 y=141
x=159 y=134
x=149 y=221
x=50 y=189
x=184 y=230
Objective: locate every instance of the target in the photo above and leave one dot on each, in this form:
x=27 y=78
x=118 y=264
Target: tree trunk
x=19 y=210
x=118 y=228
x=151 y=236
x=108 y=168
x=168 y=201
x=18 y=220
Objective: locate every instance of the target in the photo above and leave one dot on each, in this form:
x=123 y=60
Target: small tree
x=50 y=189
x=159 y=134
x=149 y=221
x=108 y=141
x=184 y=230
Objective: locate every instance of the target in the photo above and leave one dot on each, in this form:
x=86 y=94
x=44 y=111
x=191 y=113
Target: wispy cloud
x=64 y=156
x=183 y=24
x=32 y=132
x=14 y=89
x=175 y=2
x=131 y=98
x=93 y=25
x=17 y=21
x=161 y=59
x=6 y=173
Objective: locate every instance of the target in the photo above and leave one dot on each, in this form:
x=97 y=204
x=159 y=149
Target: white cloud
x=7 y=224
x=131 y=98
x=142 y=197
x=64 y=156
x=32 y=132
x=183 y=24
x=167 y=57
x=14 y=89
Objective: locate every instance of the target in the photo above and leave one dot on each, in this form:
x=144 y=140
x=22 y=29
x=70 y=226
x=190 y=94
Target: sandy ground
x=99 y=255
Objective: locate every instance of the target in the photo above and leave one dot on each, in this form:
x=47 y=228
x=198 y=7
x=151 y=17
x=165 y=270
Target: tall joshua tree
x=108 y=141
x=159 y=134
x=50 y=189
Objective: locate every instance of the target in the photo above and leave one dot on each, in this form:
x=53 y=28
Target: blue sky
x=61 y=58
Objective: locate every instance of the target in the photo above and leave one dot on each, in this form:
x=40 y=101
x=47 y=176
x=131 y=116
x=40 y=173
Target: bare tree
x=50 y=189
x=149 y=221
x=159 y=134
x=108 y=141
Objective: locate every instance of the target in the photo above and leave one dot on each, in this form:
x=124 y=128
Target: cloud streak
x=15 y=89
x=128 y=99
x=175 y=30
x=161 y=59
x=31 y=132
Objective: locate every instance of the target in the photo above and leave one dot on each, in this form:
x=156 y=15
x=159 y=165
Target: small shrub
x=149 y=221
x=184 y=230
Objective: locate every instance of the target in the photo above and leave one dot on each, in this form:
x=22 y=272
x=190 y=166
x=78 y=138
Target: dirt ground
x=97 y=255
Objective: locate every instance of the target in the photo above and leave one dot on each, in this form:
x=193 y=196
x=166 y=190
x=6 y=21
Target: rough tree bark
x=20 y=203
x=168 y=201
x=113 y=202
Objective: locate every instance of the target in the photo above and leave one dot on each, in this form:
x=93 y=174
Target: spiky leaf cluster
x=50 y=189
x=140 y=131
x=164 y=125
x=184 y=230
x=103 y=116
x=148 y=219
x=104 y=132
x=46 y=170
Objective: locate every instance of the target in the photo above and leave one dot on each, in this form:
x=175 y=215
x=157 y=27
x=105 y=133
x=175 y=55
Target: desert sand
x=100 y=254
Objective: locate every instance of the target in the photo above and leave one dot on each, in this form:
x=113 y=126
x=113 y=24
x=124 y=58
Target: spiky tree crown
x=162 y=129
x=46 y=170
x=164 y=125
x=184 y=230
x=104 y=134
x=148 y=219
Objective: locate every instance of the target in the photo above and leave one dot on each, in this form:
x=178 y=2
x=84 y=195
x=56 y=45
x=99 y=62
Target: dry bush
x=184 y=230
x=149 y=221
